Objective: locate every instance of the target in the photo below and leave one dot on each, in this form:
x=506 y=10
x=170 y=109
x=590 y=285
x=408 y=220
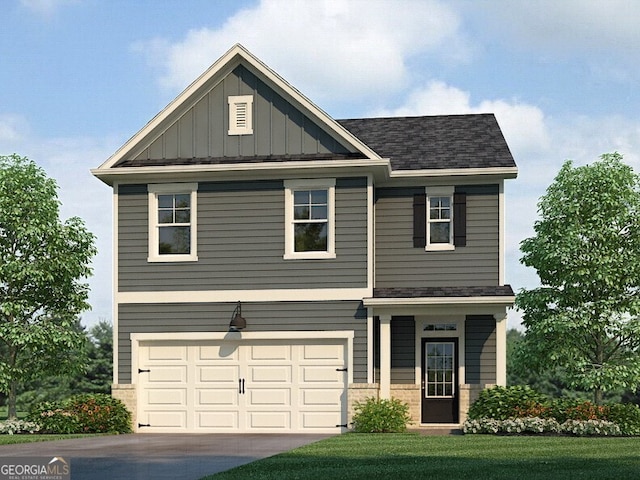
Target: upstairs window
x=241 y=115
x=172 y=222
x=309 y=212
x=439 y=219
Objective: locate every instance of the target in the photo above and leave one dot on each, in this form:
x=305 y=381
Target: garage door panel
x=322 y=374
x=218 y=396
x=271 y=396
x=168 y=419
x=219 y=420
x=225 y=352
x=320 y=420
x=167 y=396
x=167 y=352
x=269 y=420
x=322 y=352
x=270 y=352
x=270 y=374
x=169 y=374
x=321 y=397
x=218 y=374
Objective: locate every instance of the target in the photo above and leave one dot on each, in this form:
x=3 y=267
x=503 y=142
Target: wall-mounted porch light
x=237 y=320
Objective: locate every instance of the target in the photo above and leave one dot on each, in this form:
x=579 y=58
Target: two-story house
x=273 y=265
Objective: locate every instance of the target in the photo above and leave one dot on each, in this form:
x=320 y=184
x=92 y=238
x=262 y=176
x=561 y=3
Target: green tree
x=96 y=378
x=583 y=319
x=43 y=262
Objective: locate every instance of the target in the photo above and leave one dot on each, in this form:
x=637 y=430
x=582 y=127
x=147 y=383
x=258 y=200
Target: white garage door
x=262 y=386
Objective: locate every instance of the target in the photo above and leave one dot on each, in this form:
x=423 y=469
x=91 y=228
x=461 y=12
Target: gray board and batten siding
x=480 y=350
x=400 y=264
x=200 y=130
x=241 y=232
x=260 y=316
x=480 y=346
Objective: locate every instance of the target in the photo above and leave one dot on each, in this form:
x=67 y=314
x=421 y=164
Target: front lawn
x=28 y=438
x=475 y=457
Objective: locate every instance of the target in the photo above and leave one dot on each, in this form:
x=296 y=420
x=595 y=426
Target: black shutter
x=460 y=219
x=420 y=220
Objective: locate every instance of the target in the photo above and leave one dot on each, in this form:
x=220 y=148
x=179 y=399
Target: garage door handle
x=341 y=369
x=241 y=386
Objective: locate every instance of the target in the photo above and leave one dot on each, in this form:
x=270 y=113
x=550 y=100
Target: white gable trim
x=233 y=57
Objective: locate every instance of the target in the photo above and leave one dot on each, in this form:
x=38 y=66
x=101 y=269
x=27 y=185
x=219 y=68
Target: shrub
x=381 y=416
x=626 y=416
x=85 y=413
x=11 y=427
x=530 y=425
x=590 y=427
x=502 y=403
x=535 y=425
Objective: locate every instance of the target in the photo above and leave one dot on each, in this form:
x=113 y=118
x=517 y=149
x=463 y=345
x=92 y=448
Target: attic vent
x=240 y=115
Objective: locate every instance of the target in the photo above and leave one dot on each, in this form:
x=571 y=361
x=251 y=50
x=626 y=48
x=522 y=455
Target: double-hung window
x=309 y=219
x=172 y=222
x=440 y=218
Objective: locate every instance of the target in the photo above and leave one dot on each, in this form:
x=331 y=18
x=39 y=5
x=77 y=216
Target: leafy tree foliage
x=583 y=319
x=43 y=263
x=96 y=378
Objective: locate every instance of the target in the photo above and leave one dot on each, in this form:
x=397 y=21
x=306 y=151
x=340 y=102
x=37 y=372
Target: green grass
x=26 y=438
x=476 y=457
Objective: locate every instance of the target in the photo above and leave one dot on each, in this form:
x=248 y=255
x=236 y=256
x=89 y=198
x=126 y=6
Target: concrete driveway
x=159 y=456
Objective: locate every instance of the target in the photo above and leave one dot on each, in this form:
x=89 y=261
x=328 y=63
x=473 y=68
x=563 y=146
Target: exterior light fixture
x=237 y=320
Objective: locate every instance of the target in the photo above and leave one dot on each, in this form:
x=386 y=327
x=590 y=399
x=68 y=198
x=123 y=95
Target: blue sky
x=79 y=77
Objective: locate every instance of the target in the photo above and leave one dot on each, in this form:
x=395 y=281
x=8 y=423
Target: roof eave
x=503 y=172
x=495 y=300
x=379 y=167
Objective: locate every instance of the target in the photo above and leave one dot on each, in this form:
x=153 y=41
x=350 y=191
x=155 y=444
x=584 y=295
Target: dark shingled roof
x=431 y=292
x=435 y=142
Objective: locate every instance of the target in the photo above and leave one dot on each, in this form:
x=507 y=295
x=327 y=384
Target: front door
x=440 y=380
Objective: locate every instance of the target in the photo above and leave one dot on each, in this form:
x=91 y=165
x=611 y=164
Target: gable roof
x=435 y=142
x=235 y=56
x=394 y=147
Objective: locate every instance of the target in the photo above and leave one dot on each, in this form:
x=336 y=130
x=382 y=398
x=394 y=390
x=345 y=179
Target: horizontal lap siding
x=480 y=354
x=261 y=317
x=399 y=264
x=241 y=243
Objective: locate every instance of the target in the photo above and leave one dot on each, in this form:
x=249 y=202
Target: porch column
x=385 y=356
x=501 y=349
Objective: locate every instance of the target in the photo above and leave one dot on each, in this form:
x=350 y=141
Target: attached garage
x=261 y=382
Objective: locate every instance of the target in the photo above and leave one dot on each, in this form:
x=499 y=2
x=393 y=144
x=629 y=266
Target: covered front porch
x=435 y=348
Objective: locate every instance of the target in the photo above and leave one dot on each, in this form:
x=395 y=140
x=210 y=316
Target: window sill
x=172 y=258
x=440 y=248
x=309 y=256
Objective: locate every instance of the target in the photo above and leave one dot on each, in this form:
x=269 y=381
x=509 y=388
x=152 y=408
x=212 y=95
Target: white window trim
x=439 y=192
x=171 y=188
x=291 y=186
x=234 y=101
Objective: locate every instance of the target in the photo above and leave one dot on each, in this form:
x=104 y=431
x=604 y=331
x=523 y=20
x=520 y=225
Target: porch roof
x=499 y=294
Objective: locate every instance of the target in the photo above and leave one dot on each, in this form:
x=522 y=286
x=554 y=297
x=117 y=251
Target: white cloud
x=13 y=128
x=329 y=49
x=581 y=26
